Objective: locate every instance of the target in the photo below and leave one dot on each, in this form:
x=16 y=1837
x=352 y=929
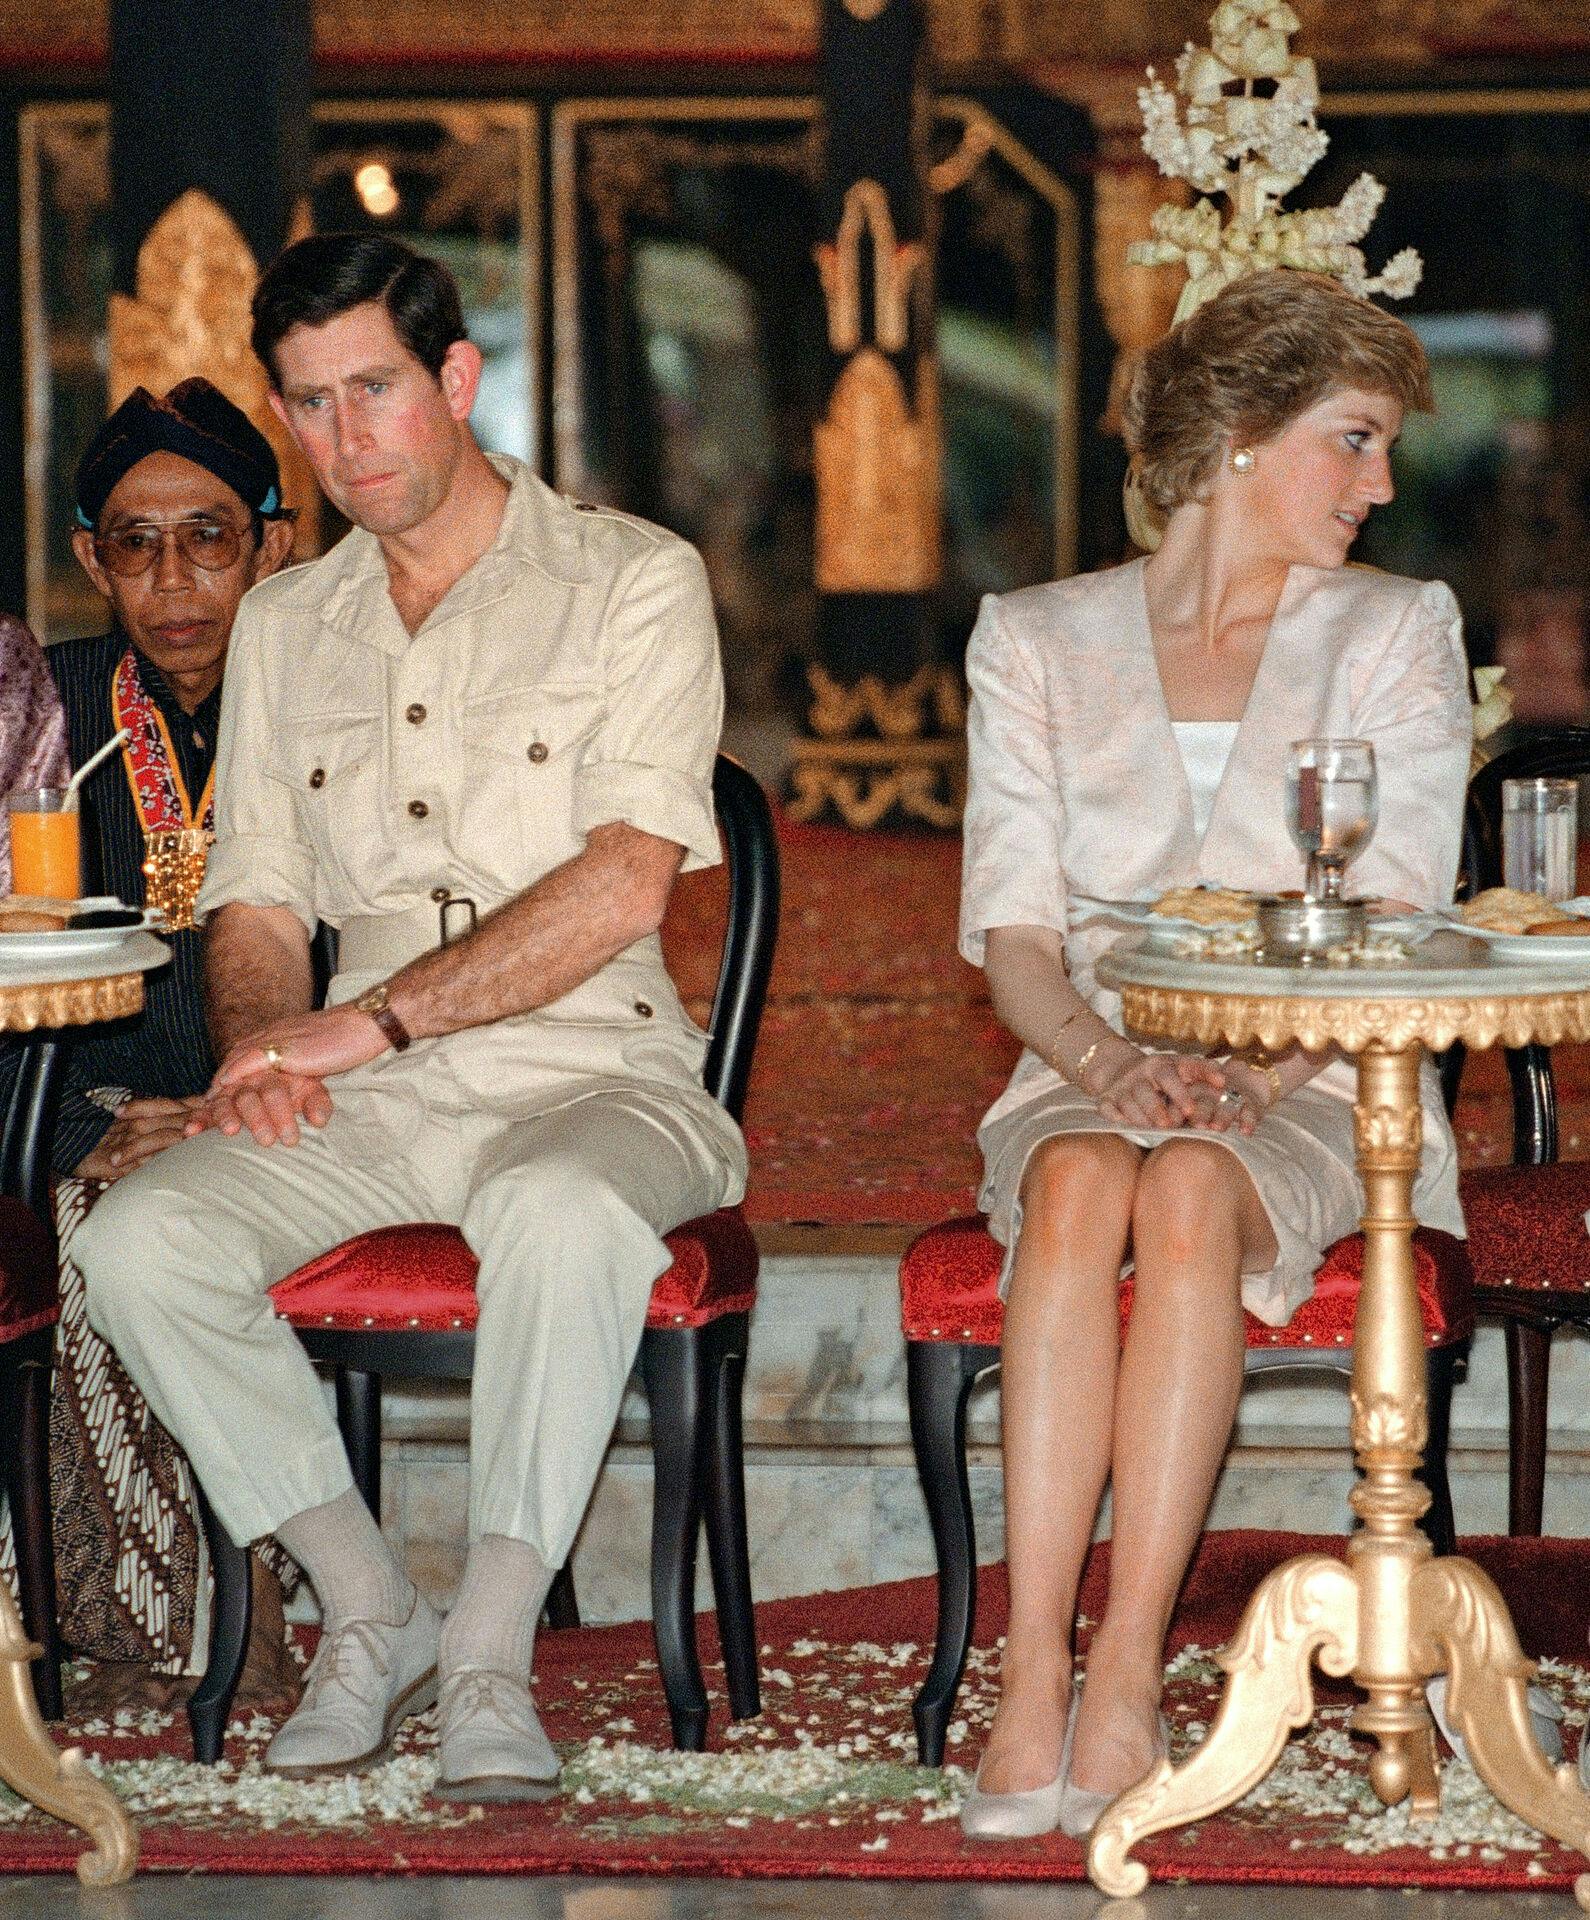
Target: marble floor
x=162 y=1897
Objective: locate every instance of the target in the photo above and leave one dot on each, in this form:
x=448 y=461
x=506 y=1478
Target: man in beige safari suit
x=482 y=695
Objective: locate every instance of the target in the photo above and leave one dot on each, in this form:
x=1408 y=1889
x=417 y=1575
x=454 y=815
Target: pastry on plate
x=1506 y=910
x=1205 y=906
x=30 y=920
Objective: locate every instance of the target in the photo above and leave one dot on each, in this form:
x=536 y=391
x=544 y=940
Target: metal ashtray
x=1296 y=931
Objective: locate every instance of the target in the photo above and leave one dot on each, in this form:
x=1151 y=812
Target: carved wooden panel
x=1400 y=34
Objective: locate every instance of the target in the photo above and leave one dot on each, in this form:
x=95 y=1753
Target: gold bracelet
x=1081 y=1067
x=1053 y=1055
x=1261 y=1062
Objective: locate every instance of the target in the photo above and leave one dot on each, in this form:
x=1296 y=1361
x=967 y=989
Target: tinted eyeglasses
x=211 y=545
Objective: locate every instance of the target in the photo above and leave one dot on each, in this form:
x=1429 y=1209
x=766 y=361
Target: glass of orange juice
x=46 y=853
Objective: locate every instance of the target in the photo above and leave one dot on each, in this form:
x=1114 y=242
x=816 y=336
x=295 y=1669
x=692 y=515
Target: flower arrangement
x=1224 y=137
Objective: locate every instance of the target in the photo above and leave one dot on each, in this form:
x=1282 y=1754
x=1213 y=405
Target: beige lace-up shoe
x=367 y=1677
x=493 y=1746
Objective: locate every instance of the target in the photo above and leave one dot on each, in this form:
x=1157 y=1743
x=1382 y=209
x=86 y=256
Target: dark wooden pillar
x=209 y=167
x=883 y=741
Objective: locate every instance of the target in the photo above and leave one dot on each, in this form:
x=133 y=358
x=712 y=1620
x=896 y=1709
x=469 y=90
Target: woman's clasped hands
x=1148 y=1089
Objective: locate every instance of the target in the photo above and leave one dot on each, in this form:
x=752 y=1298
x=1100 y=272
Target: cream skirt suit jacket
x=1077 y=789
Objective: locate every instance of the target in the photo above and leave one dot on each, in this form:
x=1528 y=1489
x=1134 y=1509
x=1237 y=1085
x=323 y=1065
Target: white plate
x=76 y=943
x=1523 y=947
x=1140 y=913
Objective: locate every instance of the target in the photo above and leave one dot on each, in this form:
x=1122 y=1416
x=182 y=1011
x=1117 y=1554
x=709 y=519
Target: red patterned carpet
x=880 y=1052
x=823 y=1783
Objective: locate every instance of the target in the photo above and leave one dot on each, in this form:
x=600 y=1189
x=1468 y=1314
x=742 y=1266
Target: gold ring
x=273 y=1056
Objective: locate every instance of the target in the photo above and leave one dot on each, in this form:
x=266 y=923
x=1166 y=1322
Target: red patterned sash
x=176 y=842
x=150 y=759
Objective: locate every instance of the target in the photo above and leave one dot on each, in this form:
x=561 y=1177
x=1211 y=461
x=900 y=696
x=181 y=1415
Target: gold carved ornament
x=901 y=768
x=1273 y=1021
x=895 y=265
x=196 y=277
x=879 y=491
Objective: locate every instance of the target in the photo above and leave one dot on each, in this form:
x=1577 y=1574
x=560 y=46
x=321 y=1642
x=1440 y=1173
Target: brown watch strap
x=375 y=1004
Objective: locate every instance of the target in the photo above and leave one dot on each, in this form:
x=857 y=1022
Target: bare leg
x=1061 y=1345
x=1197 y=1223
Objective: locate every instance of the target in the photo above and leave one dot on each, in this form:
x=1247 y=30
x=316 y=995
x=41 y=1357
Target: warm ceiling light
x=373 y=184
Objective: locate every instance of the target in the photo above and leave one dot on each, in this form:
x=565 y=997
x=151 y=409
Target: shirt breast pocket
x=331 y=763
x=525 y=747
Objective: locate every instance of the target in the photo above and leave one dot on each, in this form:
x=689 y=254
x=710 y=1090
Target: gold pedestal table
x=1392 y=1615
x=70 y=984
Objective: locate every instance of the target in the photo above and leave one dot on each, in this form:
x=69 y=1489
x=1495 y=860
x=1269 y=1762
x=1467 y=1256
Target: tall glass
x=1540 y=836
x=1332 y=803
x=46 y=855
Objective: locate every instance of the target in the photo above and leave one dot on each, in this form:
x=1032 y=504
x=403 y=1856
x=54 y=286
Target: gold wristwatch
x=377 y=1003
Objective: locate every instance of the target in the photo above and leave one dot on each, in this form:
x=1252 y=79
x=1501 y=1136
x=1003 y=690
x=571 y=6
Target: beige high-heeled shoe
x=1019 y=1816
x=1080 y=1807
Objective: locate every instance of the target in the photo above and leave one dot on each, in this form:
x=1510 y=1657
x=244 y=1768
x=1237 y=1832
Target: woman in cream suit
x=1130 y=732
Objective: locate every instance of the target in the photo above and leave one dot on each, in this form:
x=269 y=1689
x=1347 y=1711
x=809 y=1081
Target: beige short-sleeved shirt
x=570 y=678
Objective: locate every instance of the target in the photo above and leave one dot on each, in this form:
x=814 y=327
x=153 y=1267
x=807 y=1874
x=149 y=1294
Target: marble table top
x=136 y=952
x=1446 y=965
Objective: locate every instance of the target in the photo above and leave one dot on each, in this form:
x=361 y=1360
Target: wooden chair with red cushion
x=29 y=1308
x=401 y=1301
x=1527 y=1233
x=953 y=1317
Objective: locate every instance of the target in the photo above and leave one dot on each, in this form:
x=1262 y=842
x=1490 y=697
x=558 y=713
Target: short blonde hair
x=1245 y=364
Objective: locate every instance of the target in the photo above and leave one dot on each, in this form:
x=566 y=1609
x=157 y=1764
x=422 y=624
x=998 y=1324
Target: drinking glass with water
x=1540 y=836
x=1332 y=803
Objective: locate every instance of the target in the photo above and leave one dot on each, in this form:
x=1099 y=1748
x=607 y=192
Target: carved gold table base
x=31 y=1764
x=1393 y=1614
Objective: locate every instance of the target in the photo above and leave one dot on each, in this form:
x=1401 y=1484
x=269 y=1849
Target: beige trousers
x=565 y=1210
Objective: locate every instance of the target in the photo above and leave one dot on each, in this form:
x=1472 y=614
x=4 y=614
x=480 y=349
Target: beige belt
x=383 y=942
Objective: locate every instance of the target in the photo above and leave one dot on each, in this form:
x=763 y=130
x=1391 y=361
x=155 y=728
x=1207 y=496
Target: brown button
x=538 y=752
x=318 y=777
x=414 y=714
x=419 y=809
x=441 y=895
x=644 y=1009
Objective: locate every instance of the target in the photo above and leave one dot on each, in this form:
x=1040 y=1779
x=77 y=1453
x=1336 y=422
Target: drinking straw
x=88 y=766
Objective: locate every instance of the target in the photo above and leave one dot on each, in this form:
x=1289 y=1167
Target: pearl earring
x=1243 y=460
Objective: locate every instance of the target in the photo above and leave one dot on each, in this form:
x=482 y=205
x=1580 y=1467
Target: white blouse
x=1205 y=747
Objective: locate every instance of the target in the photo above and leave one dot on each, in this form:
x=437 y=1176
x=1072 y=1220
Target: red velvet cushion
x=1526 y=1226
x=422 y=1279
x=29 y=1285
x=949 y=1282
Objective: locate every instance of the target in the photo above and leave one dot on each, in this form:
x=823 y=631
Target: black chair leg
x=674 y=1370
x=210 y=1706
x=28 y=1364
x=939 y=1378
x=728 y=1542
x=1441 y=1365
x=563 y=1605
x=1528 y=1375
x=359 y=1421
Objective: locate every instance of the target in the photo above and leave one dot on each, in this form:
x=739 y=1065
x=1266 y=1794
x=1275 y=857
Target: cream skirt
x=1299 y=1157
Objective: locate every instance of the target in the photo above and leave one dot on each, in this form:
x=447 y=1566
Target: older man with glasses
x=179 y=513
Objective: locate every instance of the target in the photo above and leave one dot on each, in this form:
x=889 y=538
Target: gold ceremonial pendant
x=174 y=863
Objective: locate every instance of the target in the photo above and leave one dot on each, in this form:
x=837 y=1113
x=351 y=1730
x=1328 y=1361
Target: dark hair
x=331 y=273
